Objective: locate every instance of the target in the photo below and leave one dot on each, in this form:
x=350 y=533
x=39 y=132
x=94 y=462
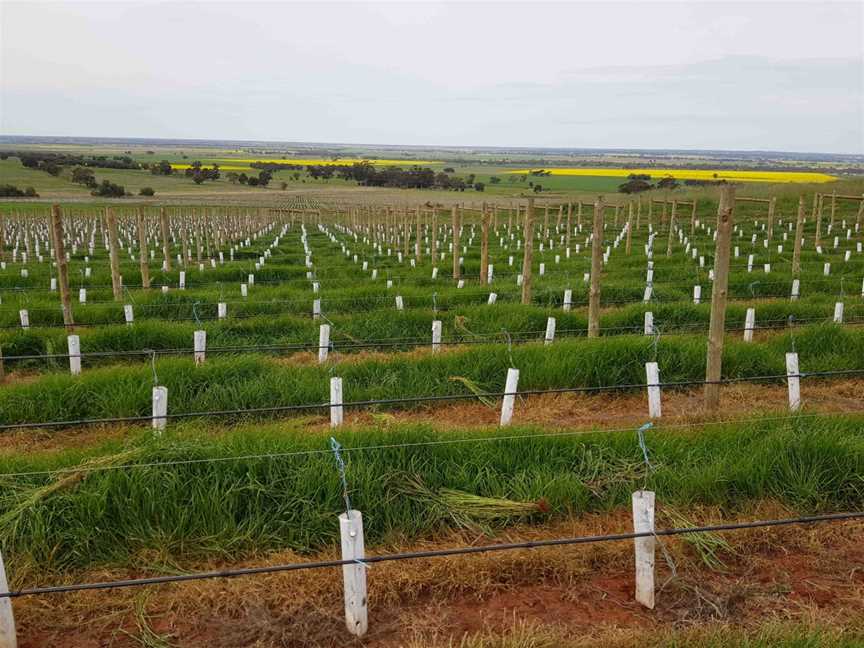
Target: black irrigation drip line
x=436 y=553
x=742 y=282
x=548 y=296
x=478 y=340
x=393 y=446
x=424 y=399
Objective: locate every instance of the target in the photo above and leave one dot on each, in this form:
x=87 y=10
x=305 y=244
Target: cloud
x=669 y=75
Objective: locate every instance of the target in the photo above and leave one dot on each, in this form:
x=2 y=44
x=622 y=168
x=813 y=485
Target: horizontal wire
x=422 y=399
x=416 y=444
x=417 y=555
x=480 y=339
x=476 y=300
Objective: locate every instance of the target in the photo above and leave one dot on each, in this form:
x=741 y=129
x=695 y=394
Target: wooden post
x=166 y=241
x=528 y=255
x=629 y=228
x=799 y=233
x=434 y=242
x=457 y=238
x=596 y=269
x=114 y=253
x=484 y=245
x=62 y=268
x=143 y=252
x=771 y=206
x=693 y=218
x=719 y=291
x=858 y=218
x=671 y=227
x=569 y=225
x=418 y=254
x=818 y=240
x=545 y=222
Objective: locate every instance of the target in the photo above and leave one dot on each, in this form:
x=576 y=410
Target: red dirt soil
x=790 y=573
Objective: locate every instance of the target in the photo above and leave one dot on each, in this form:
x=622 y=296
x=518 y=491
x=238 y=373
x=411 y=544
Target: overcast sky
x=721 y=75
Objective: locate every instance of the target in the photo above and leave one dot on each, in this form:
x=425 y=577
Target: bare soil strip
x=609 y=410
x=584 y=595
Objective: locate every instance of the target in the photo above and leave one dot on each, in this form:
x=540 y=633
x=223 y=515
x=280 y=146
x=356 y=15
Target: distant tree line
x=367 y=175
x=200 y=173
x=639 y=182
x=53 y=163
x=277 y=166
x=261 y=180
x=11 y=191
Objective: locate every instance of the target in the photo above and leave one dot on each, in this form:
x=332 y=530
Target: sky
x=774 y=75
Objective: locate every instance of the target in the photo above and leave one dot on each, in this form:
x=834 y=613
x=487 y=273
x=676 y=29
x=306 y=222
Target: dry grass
x=527 y=598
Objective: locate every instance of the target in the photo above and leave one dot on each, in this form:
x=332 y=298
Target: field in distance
x=475 y=174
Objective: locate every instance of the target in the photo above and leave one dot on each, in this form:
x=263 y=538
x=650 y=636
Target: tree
x=449 y=170
x=479 y=186
x=667 y=183
x=494 y=180
x=253 y=181
x=243 y=178
x=162 y=168
x=634 y=186
x=264 y=178
x=146 y=191
x=538 y=188
x=232 y=176
x=109 y=190
x=11 y=191
x=51 y=168
x=84 y=176
x=283 y=186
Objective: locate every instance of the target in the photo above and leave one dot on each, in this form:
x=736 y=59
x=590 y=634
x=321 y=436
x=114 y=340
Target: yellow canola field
x=208 y=165
x=332 y=162
x=696 y=174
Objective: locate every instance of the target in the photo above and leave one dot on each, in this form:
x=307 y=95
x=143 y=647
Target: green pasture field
x=11 y=172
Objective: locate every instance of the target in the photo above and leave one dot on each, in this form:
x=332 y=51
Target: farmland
x=475 y=175
x=204 y=385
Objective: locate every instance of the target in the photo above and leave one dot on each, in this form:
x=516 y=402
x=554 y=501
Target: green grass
x=254 y=381
x=233 y=507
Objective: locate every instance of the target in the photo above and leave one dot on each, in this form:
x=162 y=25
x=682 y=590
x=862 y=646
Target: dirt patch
x=610 y=410
x=614 y=409
x=788 y=573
